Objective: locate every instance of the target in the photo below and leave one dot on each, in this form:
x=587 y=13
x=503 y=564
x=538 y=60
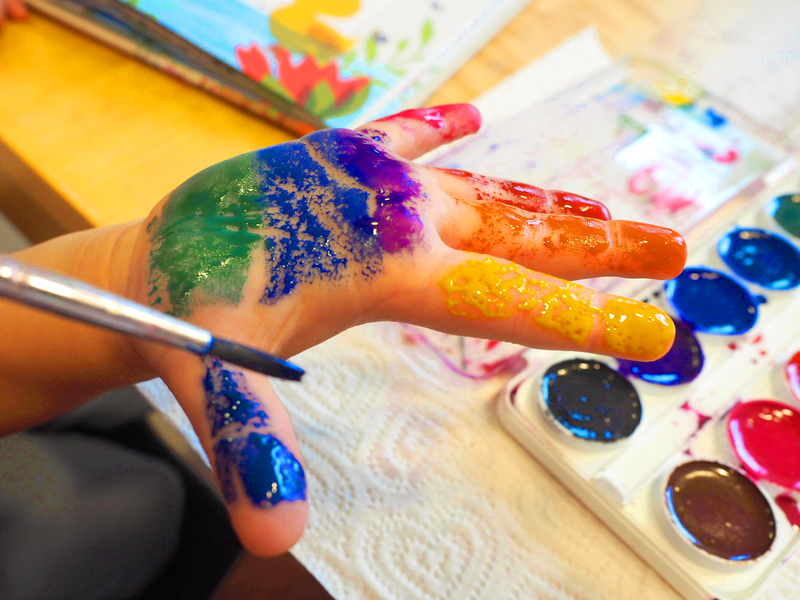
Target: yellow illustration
x=298 y=27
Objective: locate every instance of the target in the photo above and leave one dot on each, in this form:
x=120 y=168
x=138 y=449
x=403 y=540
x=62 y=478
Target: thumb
x=246 y=432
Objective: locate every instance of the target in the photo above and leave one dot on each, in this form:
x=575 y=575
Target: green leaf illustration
x=275 y=86
x=426 y=35
x=355 y=102
x=321 y=99
x=371 y=50
x=402 y=44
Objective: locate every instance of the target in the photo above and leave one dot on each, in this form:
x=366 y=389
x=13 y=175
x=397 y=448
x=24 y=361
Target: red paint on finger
x=455 y=120
x=532 y=198
x=572 y=204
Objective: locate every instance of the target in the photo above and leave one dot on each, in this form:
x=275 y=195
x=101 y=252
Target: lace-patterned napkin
x=417 y=492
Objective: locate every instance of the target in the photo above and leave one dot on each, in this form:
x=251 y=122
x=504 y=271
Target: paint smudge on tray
x=792 y=373
x=790 y=508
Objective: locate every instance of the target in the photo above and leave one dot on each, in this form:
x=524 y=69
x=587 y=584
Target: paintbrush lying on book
x=72 y=298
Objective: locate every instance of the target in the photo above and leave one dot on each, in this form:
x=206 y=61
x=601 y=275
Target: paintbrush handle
x=72 y=298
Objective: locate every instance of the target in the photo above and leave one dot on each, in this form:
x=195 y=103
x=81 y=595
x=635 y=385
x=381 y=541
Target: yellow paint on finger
x=486 y=287
x=636 y=328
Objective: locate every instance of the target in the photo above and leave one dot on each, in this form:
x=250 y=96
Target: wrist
x=55 y=363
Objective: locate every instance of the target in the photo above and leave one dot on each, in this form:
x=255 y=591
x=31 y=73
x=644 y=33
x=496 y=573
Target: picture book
x=305 y=64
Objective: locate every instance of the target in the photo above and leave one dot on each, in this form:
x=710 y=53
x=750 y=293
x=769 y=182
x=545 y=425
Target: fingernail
x=578 y=205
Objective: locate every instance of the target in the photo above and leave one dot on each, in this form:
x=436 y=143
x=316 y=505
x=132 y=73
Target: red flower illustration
x=301 y=78
x=322 y=90
x=253 y=61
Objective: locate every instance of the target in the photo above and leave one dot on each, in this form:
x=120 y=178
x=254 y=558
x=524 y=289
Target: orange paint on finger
x=656 y=252
x=582 y=237
x=487 y=288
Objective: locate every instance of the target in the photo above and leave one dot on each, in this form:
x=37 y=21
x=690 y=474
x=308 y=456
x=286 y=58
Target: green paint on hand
x=203 y=238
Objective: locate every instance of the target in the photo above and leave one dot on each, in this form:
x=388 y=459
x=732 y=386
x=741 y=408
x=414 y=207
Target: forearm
x=50 y=364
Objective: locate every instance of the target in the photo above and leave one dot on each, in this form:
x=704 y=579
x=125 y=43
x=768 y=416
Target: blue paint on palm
x=317 y=212
x=395 y=221
x=269 y=472
x=316 y=226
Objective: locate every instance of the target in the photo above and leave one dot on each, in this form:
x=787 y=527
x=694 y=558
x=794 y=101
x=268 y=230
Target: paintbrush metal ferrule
x=77 y=300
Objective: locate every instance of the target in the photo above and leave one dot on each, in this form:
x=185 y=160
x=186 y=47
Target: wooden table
x=90 y=137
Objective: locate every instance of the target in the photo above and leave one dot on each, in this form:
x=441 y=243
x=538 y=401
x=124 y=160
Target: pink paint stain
x=701 y=418
x=455 y=120
x=792 y=372
x=789 y=507
x=645 y=182
x=730 y=156
x=765 y=435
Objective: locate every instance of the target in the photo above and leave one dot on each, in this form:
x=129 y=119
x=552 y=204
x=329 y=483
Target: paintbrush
x=72 y=298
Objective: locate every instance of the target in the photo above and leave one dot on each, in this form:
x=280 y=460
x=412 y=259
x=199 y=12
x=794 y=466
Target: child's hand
x=287 y=246
x=14 y=9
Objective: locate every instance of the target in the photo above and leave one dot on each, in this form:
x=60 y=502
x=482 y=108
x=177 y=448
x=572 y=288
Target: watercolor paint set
x=694 y=459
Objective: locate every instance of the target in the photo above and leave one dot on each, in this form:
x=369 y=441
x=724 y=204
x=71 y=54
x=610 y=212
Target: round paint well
x=590 y=401
x=786 y=212
x=681 y=364
x=761 y=257
x=712 y=302
x=765 y=435
x=723 y=516
x=792 y=373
